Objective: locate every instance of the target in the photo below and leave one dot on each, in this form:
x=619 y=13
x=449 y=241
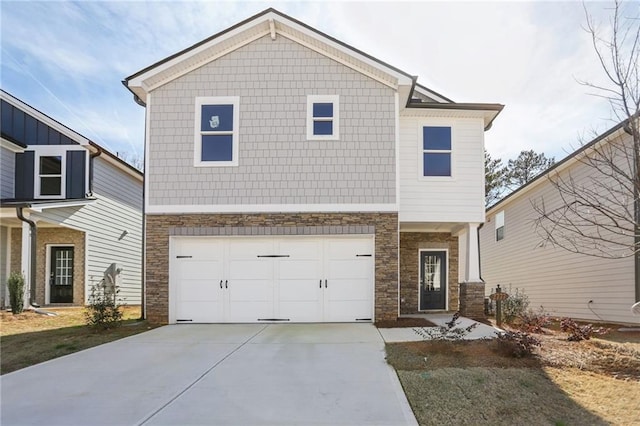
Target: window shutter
x=75 y=173
x=24 y=175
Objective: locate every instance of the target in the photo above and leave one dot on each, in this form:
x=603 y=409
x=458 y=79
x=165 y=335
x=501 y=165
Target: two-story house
x=70 y=211
x=292 y=177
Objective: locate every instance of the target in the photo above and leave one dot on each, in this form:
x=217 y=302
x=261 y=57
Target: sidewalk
x=481 y=331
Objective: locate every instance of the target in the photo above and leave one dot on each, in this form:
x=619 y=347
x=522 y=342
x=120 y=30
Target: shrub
x=517 y=344
x=449 y=331
x=534 y=321
x=515 y=306
x=16 y=292
x=579 y=332
x=103 y=311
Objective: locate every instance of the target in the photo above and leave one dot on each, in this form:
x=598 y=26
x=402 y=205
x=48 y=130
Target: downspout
x=34 y=253
x=91 y=157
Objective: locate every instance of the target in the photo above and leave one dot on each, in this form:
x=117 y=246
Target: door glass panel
x=432 y=272
x=64 y=267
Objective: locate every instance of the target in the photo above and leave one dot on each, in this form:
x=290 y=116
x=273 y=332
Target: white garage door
x=254 y=279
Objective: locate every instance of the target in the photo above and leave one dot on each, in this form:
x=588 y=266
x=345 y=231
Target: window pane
x=51 y=165
x=322 y=110
x=50 y=186
x=217 y=118
x=436 y=138
x=437 y=164
x=500 y=233
x=217 y=148
x=323 y=127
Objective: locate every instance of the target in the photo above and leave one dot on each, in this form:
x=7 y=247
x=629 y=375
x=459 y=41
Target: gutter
x=34 y=254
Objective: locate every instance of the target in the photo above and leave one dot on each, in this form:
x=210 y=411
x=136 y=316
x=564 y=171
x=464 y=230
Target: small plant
x=103 y=310
x=515 y=306
x=16 y=292
x=517 y=344
x=579 y=332
x=534 y=321
x=449 y=331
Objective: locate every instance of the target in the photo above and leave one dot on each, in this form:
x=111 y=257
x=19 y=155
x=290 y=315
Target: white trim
x=430 y=94
x=76 y=137
x=272 y=29
x=270 y=208
x=446 y=278
x=499 y=223
x=335 y=119
x=47 y=270
x=55 y=150
x=198 y=133
x=25 y=259
x=4 y=143
x=397 y=137
x=40 y=207
x=8 y=266
x=86 y=267
x=436 y=123
x=147 y=157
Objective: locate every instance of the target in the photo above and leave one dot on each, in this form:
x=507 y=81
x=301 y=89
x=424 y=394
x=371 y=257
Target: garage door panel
x=347 y=311
x=299 y=269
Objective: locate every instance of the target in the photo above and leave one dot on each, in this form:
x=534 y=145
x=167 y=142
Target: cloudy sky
x=68 y=59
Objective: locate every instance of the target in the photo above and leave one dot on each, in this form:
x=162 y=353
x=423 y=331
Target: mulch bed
x=404 y=322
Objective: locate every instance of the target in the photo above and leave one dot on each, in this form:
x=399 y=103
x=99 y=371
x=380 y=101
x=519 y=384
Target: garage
x=271 y=279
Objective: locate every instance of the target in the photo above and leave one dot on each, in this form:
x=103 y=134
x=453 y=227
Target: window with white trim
x=500 y=226
x=50 y=169
x=323 y=117
x=436 y=151
x=216 y=131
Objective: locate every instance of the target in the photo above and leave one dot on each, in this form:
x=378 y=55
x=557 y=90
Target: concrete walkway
x=481 y=331
x=232 y=374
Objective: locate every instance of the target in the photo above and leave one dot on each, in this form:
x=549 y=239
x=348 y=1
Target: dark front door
x=433 y=280
x=61 y=275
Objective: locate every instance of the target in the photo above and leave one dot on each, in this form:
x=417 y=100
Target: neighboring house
x=563 y=283
x=291 y=177
x=83 y=204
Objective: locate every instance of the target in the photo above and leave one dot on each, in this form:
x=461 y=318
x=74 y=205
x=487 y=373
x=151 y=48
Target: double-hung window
x=436 y=151
x=323 y=117
x=50 y=176
x=500 y=226
x=216 y=131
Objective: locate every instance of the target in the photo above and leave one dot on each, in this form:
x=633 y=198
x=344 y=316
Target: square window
x=322 y=117
x=436 y=151
x=216 y=131
x=51 y=165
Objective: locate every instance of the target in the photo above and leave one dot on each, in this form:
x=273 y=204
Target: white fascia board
x=270 y=208
x=76 y=137
x=139 y=81
x=41 y=207
x=11 y=146
x=431 y=94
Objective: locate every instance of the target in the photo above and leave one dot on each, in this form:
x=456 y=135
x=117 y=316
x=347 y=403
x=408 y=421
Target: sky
x=67 y=59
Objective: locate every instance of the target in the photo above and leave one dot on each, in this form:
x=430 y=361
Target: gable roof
x=268 y=22
x=71 y=134
x=561 y=165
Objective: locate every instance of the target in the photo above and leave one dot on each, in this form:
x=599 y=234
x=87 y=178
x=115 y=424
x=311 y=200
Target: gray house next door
x=433 y=280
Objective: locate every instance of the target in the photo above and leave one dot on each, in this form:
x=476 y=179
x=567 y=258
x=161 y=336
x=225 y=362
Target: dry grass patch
x=29 y=338
x=475 y=382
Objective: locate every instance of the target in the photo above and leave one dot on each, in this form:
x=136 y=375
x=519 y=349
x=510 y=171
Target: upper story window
x=500 y=226
x=216 y=131
x=323 y=117
x=436 y=151
x=50 y=176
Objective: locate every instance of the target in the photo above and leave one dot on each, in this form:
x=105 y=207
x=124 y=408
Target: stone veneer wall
x=160 y=227
x=52 y=236
x=410 y=244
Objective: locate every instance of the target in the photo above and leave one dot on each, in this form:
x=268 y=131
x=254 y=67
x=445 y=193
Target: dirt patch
x=403 y=322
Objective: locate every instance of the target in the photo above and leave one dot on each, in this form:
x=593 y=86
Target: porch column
x=472 y=267
x=25 y=263
x=472 y=288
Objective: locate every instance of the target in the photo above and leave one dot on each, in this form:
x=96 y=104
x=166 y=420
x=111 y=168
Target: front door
x=433 y=280
x=61 y=275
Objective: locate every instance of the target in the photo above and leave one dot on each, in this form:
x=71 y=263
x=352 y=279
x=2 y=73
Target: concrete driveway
x=254 y=374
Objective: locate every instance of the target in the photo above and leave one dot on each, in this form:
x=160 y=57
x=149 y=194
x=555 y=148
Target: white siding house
x=563 y=283
x=83 y=204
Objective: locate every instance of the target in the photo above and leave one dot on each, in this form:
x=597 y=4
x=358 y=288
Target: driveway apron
x=235 y=374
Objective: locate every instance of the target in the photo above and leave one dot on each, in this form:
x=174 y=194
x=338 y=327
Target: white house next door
x=271 y=279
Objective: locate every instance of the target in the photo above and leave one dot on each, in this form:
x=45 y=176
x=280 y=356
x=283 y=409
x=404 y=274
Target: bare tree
x=133 y=159
x=597 y=212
